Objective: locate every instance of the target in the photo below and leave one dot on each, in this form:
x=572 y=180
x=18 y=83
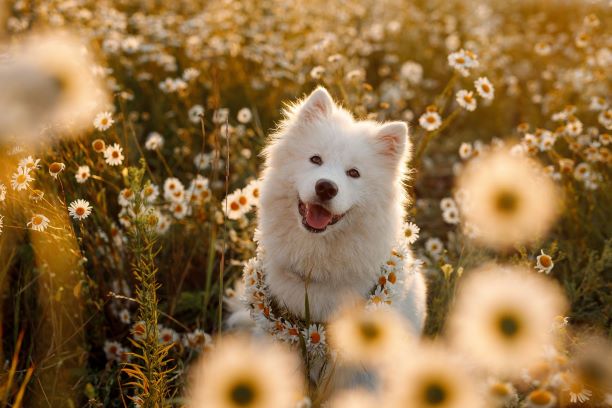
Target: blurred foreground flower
x=248 y=374
x=367 y=336
x=504 y=317
x=507 y=198
x=48 y=80
x=430 y=376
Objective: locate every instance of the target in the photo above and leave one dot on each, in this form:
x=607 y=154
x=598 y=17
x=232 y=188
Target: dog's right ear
x=318 y=105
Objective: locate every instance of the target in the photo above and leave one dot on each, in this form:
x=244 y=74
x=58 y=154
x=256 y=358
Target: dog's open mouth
x=315 y=217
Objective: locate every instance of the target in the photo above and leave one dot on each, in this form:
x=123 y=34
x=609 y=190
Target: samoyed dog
x=331 y=210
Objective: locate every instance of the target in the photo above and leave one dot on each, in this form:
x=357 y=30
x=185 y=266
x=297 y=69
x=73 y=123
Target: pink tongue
x=317 y=216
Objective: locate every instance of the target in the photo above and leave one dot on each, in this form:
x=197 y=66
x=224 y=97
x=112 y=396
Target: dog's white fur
x=343 y=261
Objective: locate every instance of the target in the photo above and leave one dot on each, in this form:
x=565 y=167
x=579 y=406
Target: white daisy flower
x=29 y=163
x=179 y=209
x=315 y=338
x=201 y=161
x=485 y=88
x=466 y=100
x=113 y=350
x=21 y=179
x=195 y=112
x=447 y=203
x=578 y=393
x=2 y=192
x=411 y=232
x=463 y=61
x=191 y=73
x=220 y=116
x=79 y=209
x=252 y=191
x=451 y=215
x=103 y=121
x=465 y=151
x=598 y=103
x=124 y=316
x=173 y=189
x=434 y=246
x=544 y=263
x=198 y=184
x=605 y=118
x=114 y=155
x=317 y=72
x=430 y=120
x=150 y=192
x=163 y=224
x=244 y=115
x=82 y=174
x=38 y=222
x=582 y=171
x=197 y=340
x=126 y=197
x=547 y=141
x=167 y=336
x=235 y=205
x=155 y=141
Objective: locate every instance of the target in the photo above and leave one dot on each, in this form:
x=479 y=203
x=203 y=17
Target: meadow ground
x=129 y=138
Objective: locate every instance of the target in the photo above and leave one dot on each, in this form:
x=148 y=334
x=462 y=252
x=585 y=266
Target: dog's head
x=331 y=168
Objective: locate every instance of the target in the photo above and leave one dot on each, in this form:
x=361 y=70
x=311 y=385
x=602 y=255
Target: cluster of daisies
x=291 y=329
x=462 y=61
x=21 y=183
x=241 y=201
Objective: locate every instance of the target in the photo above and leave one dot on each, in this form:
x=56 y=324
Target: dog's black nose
x=326 y=189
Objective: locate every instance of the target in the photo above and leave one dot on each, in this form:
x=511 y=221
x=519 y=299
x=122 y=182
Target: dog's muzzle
x=315 y=217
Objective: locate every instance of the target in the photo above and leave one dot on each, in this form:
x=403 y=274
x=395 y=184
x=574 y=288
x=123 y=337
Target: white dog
x=331 y=210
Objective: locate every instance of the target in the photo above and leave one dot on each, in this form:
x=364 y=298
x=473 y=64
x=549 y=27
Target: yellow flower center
x=545 y=261
x=79 y=211
x=540 y=397
x=369 y=331
x=37 y=220
x=234 y=206
x=435 y=394
x=509 y=325
x=243 y=394
x=506 y=202
x=500 y=389
x=21 y=178
x=98 y=145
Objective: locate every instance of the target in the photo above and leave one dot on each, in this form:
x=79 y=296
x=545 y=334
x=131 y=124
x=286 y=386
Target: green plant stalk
x=150 y=375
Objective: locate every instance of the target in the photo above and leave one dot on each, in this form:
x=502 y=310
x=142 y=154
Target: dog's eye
x=353 y=173
x=316 y=160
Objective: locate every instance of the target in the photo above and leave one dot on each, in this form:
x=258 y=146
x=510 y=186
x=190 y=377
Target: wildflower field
x=130 y=140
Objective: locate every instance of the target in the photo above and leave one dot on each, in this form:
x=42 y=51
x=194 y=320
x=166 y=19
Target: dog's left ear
x=318 y=105
x=392 y=139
